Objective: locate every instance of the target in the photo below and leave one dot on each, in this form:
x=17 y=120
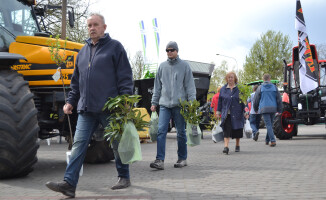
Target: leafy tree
x=217 y=78
x=137 y=65
x=321 y=50
x=52 y=19
x=266 y=56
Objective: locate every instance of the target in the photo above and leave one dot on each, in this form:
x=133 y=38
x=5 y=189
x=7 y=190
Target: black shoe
x=122 y=183
x=237 y=148
x=63 y=187
x=157 y=164
x=180 y=163
x=256 y=136
x=226 y=150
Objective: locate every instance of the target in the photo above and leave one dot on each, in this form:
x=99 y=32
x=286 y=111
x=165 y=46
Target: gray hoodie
x=173 y=81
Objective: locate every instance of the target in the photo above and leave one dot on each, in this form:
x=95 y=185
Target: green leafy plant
x=244 y=92
x=54 y=48
x=122 y=109
x=189 y=111
x=149 y=75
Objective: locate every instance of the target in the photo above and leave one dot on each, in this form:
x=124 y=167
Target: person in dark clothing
x=268 y=102
x=102 y=70
x=232 y=112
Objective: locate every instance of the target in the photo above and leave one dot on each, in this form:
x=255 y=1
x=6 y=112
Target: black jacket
x=107 y=74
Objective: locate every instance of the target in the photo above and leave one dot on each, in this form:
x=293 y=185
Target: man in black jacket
x=102 y=70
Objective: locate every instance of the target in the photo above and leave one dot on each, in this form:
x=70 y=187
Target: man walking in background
x=173 y=82
x=268 y=102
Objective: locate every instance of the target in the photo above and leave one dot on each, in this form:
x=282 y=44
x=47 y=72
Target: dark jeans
x=254 y=122
x=86 y=125
x=269 y=118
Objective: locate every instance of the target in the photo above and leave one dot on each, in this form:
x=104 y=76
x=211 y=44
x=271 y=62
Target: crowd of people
x=102 y=70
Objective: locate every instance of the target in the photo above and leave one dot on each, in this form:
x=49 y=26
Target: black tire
x=99 y=152
x=18 y=126
x=281 y=130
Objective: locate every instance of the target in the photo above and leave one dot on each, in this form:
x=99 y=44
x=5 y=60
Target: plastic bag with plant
x=189 y=111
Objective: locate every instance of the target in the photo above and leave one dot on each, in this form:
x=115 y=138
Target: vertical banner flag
x=143 y=36
x=157 y=37
x=308 y=79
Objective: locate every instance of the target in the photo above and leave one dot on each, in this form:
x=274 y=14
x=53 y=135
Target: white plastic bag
x=247 y=129
x=154 y=126
x=217 y=133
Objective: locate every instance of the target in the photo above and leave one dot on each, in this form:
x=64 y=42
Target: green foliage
x=54 y=48
x=189 y=111
x=266 y=56
x=217 y=78
x=122 y=110
x=149 y=75
x=244 y=92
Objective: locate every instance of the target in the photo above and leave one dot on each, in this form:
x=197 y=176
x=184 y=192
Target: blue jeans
x=254 y=122
x=269 y=118
x=163 y=123
x=87 y=123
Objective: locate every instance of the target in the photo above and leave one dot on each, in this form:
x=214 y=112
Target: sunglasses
x=170 y=50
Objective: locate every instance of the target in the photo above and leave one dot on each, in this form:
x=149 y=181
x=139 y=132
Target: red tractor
x=299 y=108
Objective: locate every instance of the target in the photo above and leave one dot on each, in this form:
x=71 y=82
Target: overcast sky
x=207 y=27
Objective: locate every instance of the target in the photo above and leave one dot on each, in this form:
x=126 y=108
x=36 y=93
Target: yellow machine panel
x=39 y=68
x=144 y=134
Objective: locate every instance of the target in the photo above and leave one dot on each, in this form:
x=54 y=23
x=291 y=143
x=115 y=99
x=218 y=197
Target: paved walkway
x=294 y=169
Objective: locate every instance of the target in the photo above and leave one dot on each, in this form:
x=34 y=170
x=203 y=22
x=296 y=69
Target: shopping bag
x=247 y=129
x=153 y=126
x=217 y=133
x=129 y=146
x=193 y=133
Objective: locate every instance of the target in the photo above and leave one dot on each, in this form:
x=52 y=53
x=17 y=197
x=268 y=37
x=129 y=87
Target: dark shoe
x=273 y=144
x=267 y=143
x=226 y=150
x=122 y=183
x=256 y=136
x=63 y=187
x=180 y=163
x=157 y=164
x=237 y=148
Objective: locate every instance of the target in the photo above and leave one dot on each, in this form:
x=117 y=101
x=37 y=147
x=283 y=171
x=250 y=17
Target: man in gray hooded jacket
x=173 y=82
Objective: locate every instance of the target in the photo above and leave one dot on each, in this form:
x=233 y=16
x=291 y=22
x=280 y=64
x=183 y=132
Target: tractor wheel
x=18 y=126
x=99 y=150
x=282 y=130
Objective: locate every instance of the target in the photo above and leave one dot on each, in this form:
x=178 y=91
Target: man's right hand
x=153 y=108
x=67 y=108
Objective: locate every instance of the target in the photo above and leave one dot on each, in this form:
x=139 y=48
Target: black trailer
x=202 y=74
